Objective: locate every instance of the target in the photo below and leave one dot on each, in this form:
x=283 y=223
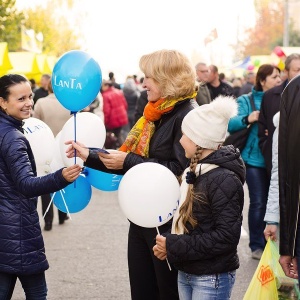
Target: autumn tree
x=10 y=24
x=263 y=37
x=58 y=24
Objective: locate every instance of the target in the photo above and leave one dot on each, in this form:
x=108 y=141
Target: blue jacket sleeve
x=236 y=123
x=22 y=174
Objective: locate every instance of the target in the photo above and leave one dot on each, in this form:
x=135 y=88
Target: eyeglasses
x=203 y=71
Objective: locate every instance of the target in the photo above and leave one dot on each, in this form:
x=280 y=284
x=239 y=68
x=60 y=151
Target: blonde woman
x=169 y=81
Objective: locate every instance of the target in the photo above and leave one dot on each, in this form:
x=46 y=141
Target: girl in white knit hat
x=207 y=225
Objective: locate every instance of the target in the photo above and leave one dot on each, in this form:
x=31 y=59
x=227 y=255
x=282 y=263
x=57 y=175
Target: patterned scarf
x=138 y=139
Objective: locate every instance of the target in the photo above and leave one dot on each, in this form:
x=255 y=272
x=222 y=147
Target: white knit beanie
x=207 y=124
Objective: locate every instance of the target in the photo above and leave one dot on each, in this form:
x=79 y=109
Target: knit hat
x=207 y=124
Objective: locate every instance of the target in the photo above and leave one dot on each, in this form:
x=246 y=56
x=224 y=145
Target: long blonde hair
x=186 y=209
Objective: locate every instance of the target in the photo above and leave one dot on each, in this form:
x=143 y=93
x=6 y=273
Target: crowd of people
x=178 y=115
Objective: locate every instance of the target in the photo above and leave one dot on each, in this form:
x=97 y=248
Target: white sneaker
x=256 y=254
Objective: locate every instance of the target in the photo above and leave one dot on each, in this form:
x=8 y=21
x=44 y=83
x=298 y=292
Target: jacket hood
x=230 y=158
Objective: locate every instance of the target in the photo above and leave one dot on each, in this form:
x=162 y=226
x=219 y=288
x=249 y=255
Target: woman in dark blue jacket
x=22 y=252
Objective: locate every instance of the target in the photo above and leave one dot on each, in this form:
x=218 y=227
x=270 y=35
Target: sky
x=119 y=32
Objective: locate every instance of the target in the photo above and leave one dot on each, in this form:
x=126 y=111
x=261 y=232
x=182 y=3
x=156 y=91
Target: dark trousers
x=150 y=278
x=258 y=186
x=34 y=286
x=46 y=199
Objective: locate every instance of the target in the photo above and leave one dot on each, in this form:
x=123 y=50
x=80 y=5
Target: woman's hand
x=71 y=173
x=160 y=250
x=114 y=160
x=81 y=151
x=253 y=117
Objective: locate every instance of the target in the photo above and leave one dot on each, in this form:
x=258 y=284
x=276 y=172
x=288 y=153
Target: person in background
x=131 y=94
x=42 y=91
x=140 y=105
x=246 y=88
x=270 y=106
x=215 y=85
x=257 y=179
x=50 y=111
x=202 y=75
x=288 y=173
x=112 y=79
x=115 y=111
x=33 y=85
x=272 y=211
x=22 y=250
x=170 y=84
x=207 y=224
x=223 y=78
x=236 y=85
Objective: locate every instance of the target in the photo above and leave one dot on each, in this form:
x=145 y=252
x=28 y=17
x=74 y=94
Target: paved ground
x=87 y=254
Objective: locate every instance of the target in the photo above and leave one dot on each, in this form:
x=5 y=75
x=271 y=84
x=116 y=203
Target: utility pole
x=286 y=24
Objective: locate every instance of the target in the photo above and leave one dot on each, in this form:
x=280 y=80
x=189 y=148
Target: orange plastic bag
x=269 y=281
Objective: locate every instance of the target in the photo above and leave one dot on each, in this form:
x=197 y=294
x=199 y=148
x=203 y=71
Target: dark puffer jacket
x=211 y=247
x=21 y=243
x=164 y=146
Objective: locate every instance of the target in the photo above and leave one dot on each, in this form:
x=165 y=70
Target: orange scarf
x=138 y=139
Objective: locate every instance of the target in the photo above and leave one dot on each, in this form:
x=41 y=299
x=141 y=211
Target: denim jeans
x=258 y=186
x=34 y=286
x=205 y=287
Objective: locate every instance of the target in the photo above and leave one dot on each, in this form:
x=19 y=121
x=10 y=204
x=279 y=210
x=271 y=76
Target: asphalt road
x=88 y=254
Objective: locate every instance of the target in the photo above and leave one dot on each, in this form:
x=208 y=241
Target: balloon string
x=166 y=258
x=49 y=205
x=75 y=133
x=61 y=192
x=75 y=151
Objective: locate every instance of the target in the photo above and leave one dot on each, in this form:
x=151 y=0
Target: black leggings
x=150 y=278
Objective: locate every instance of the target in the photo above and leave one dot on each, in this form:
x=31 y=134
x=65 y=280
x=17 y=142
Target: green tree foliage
x=10 y=24
x=60 y=33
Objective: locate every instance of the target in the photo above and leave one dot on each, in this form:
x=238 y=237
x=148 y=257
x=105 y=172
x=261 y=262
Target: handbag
x=269 y=281
x=239 y=138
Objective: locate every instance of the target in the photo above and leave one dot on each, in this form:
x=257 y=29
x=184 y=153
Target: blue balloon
x=103 y=181
x=76 y=80
x=77 y=196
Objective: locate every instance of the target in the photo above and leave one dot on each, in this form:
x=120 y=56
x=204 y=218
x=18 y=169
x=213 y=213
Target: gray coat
x=272 y=211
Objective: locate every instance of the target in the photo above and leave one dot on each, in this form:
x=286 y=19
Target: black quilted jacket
x=211 y=247
x=164 y=147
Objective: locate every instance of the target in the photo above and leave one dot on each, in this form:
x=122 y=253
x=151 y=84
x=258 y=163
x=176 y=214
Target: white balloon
x=41 y=140
x=149 y=194
x=57 y=162
x=90 y=131
x=42 y=170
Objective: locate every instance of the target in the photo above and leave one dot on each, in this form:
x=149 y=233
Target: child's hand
x=71 y=173
x=160 y=250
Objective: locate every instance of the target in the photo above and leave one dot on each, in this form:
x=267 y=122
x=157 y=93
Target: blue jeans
x=34 y=286
x=205 y=287
x=258 y=186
